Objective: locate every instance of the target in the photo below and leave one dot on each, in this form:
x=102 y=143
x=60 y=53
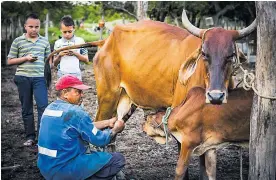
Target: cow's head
x=218 y=51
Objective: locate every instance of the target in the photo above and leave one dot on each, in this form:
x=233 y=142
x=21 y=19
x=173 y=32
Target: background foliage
x=91 y=12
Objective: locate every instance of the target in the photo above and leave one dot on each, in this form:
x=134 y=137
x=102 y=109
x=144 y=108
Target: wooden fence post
x=262 y=152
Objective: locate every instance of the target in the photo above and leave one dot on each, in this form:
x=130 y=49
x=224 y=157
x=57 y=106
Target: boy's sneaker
x=29 y=143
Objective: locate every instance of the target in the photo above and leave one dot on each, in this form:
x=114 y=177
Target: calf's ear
x=188 y=67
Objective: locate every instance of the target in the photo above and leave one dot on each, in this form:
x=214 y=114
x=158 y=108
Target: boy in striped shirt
x=29 y=52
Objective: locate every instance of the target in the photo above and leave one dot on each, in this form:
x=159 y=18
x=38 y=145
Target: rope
x=248 y=83
x=248 y=78
x=203 y=36
x=165 y=119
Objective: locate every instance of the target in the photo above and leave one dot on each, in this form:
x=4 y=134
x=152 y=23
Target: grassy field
x=54 y=33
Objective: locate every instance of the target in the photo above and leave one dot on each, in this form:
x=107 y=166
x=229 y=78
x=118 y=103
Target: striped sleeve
x=14 y=49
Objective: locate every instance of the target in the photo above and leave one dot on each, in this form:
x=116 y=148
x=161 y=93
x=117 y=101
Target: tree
x=123 y=7
x=262 y=152
x=142 y=7
x=197 y=9
x=11 y=11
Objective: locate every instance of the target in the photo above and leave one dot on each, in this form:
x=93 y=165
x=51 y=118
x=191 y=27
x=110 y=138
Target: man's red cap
x=69 y=81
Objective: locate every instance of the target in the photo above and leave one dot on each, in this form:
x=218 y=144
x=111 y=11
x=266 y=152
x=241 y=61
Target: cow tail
x=47 y=73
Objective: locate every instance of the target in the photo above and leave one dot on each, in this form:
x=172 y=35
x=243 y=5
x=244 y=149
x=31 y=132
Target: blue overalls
x=65 y=131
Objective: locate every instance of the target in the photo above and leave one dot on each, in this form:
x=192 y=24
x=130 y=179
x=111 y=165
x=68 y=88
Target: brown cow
x=147 y=63
x=153 y=65
x=198 y=126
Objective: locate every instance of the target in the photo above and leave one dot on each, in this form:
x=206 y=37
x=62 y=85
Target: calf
x=197 y=125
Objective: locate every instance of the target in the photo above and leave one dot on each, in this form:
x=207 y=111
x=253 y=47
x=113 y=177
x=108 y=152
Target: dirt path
x=145 y=159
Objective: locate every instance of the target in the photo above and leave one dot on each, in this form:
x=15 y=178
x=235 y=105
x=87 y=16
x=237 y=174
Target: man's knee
x=119 y=159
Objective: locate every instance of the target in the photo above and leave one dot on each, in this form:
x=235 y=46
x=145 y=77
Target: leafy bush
x=54 y=34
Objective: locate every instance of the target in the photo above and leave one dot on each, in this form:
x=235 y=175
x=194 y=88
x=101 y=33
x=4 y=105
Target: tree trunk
x=262 y=152
x=142 y=7
x=47 y=25
x=11 y=36
x=20 y=28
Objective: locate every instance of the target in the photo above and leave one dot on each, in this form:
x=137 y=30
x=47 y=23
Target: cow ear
x=188 y=67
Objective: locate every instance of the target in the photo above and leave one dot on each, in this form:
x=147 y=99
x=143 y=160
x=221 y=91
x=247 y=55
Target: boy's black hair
x=31 y=16
x=67 y=21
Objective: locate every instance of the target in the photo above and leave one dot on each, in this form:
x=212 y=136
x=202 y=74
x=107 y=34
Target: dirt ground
x=145 y=159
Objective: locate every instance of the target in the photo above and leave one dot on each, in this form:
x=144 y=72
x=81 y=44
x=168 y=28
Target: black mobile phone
x=70 y=53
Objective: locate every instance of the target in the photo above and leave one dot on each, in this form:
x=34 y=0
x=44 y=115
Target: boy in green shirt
x=29 y=52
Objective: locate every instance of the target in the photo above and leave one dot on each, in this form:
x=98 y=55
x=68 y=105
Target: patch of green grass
x=54 y=33
x=87 y=36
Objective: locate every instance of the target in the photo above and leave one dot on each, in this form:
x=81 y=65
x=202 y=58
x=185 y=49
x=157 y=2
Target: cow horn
x=246 y=31
x=188 y=25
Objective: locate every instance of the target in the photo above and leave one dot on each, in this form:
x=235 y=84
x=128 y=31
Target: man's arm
x=105 y=123
x=89 y=132
x=12 y=61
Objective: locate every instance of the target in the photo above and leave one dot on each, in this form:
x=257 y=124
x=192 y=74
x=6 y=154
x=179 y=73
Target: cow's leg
x=211 y=163
x=108 y=79
x=107 y=104
x=183 y=161
x=186 y=177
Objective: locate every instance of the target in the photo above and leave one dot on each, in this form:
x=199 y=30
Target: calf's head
x=154 y=129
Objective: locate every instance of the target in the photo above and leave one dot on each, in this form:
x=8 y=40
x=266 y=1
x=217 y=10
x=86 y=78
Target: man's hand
x=112 y=122
x=118 y=126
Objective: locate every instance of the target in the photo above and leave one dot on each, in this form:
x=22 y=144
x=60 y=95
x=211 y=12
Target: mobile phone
x=70 y=53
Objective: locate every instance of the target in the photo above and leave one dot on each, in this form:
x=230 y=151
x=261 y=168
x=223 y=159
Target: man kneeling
x=65 y=133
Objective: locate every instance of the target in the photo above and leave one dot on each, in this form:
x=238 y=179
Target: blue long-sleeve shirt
x=65 y=132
